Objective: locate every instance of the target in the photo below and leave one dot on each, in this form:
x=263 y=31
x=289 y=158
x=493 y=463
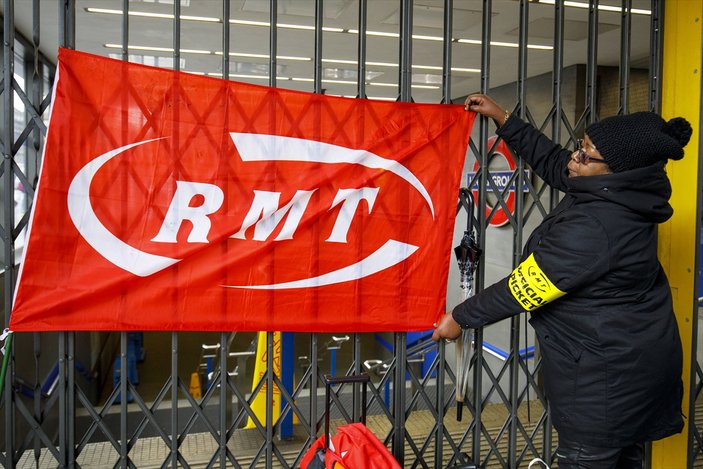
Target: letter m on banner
x=169 y=201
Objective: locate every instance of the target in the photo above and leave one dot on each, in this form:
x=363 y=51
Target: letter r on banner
x=180 y=210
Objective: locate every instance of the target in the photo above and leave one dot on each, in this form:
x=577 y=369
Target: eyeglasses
x=582 y=157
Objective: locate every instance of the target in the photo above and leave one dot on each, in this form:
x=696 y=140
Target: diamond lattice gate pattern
x=87 y=399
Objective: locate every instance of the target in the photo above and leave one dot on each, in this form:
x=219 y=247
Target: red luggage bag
x=354 y=446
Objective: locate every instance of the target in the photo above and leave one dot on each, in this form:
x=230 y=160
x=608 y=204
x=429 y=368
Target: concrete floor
x=199 y=449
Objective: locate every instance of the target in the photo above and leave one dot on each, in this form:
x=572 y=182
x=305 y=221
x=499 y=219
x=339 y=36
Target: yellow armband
x=531 y=287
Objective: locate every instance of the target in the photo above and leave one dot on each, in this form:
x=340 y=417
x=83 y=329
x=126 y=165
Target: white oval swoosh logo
x=94 y=232
x=263 y=147
x=391 y=253
x=144 y=264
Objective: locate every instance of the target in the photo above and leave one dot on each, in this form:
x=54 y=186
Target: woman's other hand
x=482 y=104
x=447 y=328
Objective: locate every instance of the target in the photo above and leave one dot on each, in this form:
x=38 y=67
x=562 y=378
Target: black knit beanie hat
x=638 y=140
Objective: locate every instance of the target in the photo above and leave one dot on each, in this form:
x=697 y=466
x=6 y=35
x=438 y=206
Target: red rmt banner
x=171 y=201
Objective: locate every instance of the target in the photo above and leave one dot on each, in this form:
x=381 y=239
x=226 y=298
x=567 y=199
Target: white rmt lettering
x=265 y=213
x=349 y=198
x=180 y=210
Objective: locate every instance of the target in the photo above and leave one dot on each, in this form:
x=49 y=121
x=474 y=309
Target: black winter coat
x=600 y=300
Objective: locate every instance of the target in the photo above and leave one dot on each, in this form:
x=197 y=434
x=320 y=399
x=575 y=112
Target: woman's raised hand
x=482 y=104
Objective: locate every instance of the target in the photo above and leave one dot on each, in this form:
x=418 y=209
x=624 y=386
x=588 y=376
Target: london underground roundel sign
x=501 y=169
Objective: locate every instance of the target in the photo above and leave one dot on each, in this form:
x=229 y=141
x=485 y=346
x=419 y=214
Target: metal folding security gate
x=56 y=423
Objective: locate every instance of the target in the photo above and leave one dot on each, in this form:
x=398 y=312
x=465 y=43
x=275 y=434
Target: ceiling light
x=155 y=49
x=247 y=76
x=266 y=24
x=375 y=33
x=382 y=64
x=505 y=44
x=388 y=64
x=241 y=75
x=147 y=14
x=160 y=49
x=428 y=67
x=340 y=82
x=307 y=27
x=377 y=98
x=539 y=47
x=249 y=23
x=152 y=60
x=208 y=19
x=207 y=52
x=296 y=26
x=195 y=51
x=340 y=30
x=454 y=69
x=293 y=57
x=354 y=62
x=395 y=85
x=266 y=77
x=463 y=41
x=280 y=57
x=340 y=61
x=617 y=9
x=345 y=82
x=244 y=54
x=266 y=56
x=337 y=82
x=427 y=38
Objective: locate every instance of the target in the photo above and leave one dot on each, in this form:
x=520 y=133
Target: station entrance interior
x=586 y=90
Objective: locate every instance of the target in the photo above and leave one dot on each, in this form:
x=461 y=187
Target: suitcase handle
x=329 y=380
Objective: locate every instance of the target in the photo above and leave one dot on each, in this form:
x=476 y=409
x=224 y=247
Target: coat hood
x=644 y=190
